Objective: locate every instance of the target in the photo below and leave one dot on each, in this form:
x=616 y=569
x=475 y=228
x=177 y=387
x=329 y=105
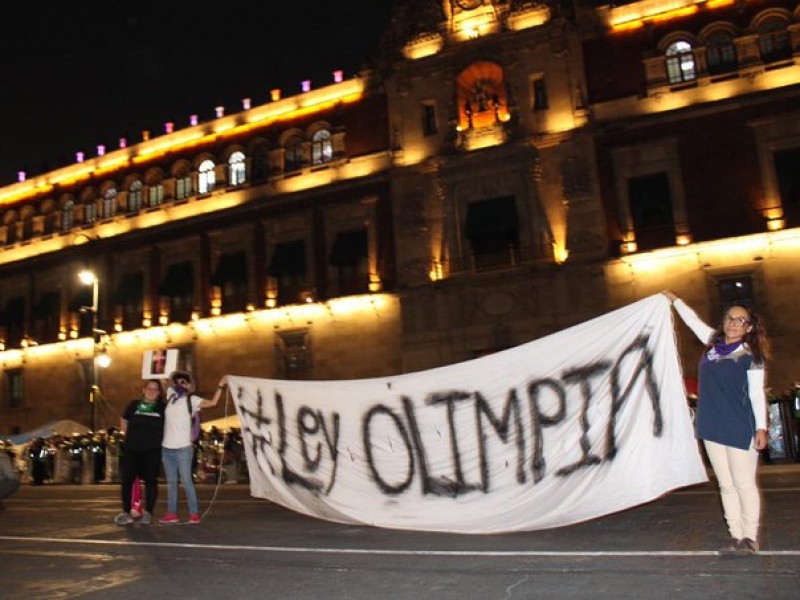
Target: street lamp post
x=89 y=278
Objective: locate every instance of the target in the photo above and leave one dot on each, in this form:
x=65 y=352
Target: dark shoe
x=748 y=546
x=123 y=519
x=731 y=548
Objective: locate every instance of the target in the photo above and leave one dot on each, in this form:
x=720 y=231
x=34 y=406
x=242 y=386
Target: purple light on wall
x=101 y=150
x=169 y=127
x=338 y=76
x=220 y=110
x=21 y=176
x=246 y=103
x=123 y=143
x=79 y=157
x=306 y=85
x=192 y=120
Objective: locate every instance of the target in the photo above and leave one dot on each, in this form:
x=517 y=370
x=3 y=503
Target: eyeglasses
x=738 y=321
x=182 y=381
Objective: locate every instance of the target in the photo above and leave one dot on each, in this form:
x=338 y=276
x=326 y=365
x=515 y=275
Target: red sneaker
x=169 y=519
x=194 y=518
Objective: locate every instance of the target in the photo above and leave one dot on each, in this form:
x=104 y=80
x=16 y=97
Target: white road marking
x=390 y=552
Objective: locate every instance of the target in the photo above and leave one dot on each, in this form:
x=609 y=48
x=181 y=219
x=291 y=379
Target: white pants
x=735 y=470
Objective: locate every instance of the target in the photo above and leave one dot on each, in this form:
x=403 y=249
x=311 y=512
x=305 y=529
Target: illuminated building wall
x=695 y=109
x=274 y=262
x=520 y=169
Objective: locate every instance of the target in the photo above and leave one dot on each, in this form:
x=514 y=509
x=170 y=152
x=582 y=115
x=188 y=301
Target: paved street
x=58 y=541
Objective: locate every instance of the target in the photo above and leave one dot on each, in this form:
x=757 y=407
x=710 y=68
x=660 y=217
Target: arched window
x=321 y=147
x=52 y=217
x=109 y=207
x=26 y=216
x=10 y=221
x=155 y=194
x=295 y=158
x=206 y=177
x=135 y=196
x=680 y=62
x=67 y=215
x=720 y=53
x=236 y=169
x=89 y=213
x=154 y=188
x=773 y=40
x=183 y=181
x=259 y=161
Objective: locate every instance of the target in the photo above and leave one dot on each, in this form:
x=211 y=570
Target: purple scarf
x=719 y=350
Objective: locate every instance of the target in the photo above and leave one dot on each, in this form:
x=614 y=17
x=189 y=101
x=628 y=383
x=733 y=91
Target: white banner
x=582 y=423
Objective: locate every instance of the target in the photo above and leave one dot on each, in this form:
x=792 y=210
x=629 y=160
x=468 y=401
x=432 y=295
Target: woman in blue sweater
x=732 y=412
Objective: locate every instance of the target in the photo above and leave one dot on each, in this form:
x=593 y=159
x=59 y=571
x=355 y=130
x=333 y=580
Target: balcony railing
x=496 y=261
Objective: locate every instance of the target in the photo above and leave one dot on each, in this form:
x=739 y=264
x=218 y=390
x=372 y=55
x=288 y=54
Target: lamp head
x=103 y=360
x=87 y=277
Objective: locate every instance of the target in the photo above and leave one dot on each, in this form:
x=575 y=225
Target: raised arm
x=217 y=394
x=688 y=316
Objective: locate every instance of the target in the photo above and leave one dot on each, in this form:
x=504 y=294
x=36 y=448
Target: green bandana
x=146 y=408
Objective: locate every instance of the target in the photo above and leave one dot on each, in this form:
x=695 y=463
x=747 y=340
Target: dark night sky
x=78 y=74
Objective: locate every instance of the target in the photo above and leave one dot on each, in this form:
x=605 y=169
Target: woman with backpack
x=177 y=446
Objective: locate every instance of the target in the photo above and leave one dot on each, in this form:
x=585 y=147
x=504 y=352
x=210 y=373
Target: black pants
x=144 y=464
x=99 y=466
x=38 y=471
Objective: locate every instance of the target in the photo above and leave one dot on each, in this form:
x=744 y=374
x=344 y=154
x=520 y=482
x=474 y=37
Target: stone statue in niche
x=483 y=98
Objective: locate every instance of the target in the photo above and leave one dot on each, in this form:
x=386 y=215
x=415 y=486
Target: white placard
x=159 y=363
